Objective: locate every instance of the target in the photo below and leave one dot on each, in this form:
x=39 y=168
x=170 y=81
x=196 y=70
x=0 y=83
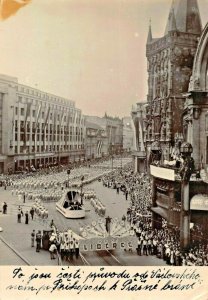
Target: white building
x=37 y=128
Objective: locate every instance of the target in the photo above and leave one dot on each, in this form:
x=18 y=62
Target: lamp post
x=82 y=179
x=112 y=161
x=68 y=172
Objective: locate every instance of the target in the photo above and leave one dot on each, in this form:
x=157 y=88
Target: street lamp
x=112 y=161
x=68 y=172
x=82 y=179
x=121 y=159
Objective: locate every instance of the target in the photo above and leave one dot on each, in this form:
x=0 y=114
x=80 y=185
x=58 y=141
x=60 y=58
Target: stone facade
x=170 y=61
x=195 y=117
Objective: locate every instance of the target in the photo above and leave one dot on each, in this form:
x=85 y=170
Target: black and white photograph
x=104 y=133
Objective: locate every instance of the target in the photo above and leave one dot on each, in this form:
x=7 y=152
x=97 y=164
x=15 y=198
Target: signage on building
x=44 y=154
x=199 y=202
x=163 y=173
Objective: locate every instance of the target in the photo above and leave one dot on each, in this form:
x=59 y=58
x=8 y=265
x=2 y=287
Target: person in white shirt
x=71 y=249
x=52 y=251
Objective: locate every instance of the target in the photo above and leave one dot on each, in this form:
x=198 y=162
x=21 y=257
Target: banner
x=108 y=243
x=164 y=173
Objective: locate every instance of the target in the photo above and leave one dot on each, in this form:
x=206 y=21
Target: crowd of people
x=163 y=242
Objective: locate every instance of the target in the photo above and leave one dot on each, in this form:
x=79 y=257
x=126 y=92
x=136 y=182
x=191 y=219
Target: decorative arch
x=199 y=79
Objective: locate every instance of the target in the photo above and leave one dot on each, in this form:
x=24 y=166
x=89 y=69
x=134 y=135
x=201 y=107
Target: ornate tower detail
x=170 y=60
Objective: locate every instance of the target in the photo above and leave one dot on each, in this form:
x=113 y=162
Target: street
x=18 y=235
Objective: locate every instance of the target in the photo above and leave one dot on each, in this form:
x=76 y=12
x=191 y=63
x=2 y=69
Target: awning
x=160 y=211
x=199 y=202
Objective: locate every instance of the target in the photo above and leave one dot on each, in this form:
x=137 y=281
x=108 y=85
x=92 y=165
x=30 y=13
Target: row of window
x=42 y=96
x=41 y=137
x=47 y=148
x=47 y=127
x=43 y=115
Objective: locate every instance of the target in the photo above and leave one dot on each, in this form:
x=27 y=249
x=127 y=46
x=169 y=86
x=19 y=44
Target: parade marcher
x=26 y=218
x=144 y=244
x=52 y=223
x=38 y=241
x=52 y=251
x=62 y=250
x=20 y=211
x=124 y=218
x=139 y=244
x=4 y=208
x=32 y=211
x=33 y=238
x=71 y=249
x=77 y=249
x=19 y=217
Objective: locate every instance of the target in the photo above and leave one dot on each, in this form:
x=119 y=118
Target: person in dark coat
x=38 y=241
x=33 y=238
x=26 y=217
x=32 y=211
x=19 y=217
x=4 y=208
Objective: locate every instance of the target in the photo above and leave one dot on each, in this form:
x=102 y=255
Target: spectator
x=26 y=218
x=32 y=211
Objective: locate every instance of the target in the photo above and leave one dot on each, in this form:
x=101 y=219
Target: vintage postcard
x=103 y=149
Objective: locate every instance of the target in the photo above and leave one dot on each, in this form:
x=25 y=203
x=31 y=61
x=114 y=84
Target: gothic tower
x=170 y=61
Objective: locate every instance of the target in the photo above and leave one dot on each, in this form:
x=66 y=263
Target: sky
x=88 y=51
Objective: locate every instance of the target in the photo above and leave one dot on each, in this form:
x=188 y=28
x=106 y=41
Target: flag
x=10 y=7
x=141 y=136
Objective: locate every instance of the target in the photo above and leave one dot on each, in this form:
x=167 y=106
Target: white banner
x=164 y=173
x=109 y=243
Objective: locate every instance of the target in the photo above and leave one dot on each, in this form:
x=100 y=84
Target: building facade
x=113 y=132
x=176 y=121
x=170 y=61
x=96 y=144
x=37 y=128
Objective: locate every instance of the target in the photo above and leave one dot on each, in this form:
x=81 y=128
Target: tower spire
x=173 y=26
x=149 y=37
x=184 y=16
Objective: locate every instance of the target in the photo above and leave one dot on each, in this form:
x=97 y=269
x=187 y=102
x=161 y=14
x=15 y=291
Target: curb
x=15 y=251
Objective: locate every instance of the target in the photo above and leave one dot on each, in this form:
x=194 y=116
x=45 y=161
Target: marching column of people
x=64 y=244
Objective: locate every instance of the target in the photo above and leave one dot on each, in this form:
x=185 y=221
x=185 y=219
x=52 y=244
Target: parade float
x=71 y=205
x=107 y=234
